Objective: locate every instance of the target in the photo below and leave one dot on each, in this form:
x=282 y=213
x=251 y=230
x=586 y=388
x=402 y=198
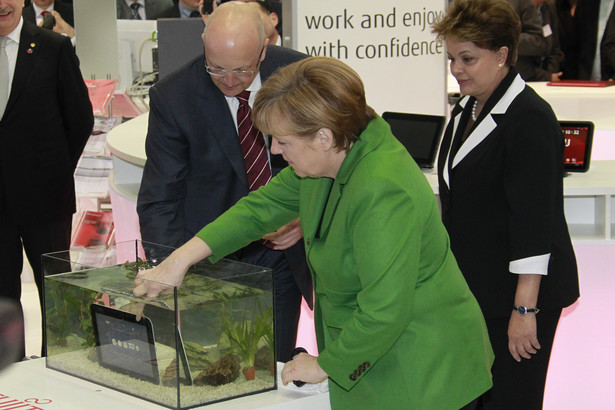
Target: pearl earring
x=500 y=65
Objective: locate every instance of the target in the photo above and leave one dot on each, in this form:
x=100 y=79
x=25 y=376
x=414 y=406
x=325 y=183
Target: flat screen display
x=578 y=137
x=419 y=133
x=125 y=345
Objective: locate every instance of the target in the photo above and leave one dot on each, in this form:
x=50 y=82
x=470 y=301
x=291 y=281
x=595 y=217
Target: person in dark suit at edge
x=195 y=168
x=568 y=38
x=533 y=44
x=595 y=28
x=45 y=121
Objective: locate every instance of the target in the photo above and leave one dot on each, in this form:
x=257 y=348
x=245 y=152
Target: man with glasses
x=196 y=168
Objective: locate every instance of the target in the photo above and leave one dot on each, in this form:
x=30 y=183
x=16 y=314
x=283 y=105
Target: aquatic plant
x=245 y=335
x=66 y=305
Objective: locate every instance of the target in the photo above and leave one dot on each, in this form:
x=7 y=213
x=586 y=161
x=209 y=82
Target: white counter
x=30 y=382
x=589 y=202
x=596 y=104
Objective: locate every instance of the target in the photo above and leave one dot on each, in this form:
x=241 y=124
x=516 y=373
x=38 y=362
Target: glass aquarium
x=207 y=340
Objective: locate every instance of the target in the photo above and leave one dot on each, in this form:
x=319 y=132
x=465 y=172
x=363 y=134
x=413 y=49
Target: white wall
x=96 y=32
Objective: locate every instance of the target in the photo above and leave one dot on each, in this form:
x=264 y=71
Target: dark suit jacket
x=532 y=43
x=586 y=20
x=47 y=121
x=502 y=197
x=171 y=12
x=152 y=9
x=65 y=10
x=540 y=68
x=568 y=38
x=607 y=49
x=195 y=169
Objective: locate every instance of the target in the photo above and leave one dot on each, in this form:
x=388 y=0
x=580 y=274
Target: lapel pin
x=29 y=51
x=32 y=45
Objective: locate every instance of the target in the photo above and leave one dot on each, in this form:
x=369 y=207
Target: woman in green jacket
x=396 y=325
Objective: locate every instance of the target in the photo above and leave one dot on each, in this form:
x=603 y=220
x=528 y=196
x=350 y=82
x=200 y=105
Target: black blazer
x=171 y=12
x=152 y=9
x=47 y=121
x=502 y=197
x=195 y=169
x=65 y=10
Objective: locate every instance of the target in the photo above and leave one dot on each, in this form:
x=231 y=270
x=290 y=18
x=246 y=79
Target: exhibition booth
x=391 y=47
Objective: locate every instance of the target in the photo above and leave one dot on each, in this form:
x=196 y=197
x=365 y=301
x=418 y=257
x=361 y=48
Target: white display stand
x=30 y=385
x=596 y=104
x=126 y=142
x=589 y=198
x=589 y=202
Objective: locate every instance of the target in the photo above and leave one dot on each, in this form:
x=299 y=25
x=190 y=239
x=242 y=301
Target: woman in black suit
x=500 y=178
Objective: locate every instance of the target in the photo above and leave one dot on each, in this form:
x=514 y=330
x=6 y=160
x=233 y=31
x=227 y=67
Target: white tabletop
x=30 y=382
x=596 y=104
x=127 y=140
x=598 y=180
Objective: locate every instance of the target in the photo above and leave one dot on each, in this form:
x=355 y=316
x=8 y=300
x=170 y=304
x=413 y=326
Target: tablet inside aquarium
x=124 y=344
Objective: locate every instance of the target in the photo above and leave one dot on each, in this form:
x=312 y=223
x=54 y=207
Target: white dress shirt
x=12 y=47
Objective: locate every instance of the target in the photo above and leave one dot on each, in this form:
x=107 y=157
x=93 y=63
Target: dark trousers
x=519 y=386
x=36 y=239
x=287 y=296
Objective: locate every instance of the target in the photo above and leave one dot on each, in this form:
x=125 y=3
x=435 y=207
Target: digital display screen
x=125 y=345
x=578 y=138
x=419 y=134
x=575 y=140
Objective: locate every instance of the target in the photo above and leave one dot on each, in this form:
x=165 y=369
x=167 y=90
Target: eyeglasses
x=244 y=74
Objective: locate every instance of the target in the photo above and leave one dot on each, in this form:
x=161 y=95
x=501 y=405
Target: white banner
x=388 y=42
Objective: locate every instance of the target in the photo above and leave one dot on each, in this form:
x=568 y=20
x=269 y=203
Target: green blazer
x=396 y=325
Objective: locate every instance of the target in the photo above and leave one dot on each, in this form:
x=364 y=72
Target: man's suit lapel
x=28 y=14
x=222 y=127
x=27 y=54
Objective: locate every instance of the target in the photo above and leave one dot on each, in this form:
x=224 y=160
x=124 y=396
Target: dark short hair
x=315 y=93
x=490 y=24
x=266 y=6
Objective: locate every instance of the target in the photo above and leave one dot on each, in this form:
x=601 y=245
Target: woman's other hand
x=303 y=367
x=522 y=336
x=286 y=236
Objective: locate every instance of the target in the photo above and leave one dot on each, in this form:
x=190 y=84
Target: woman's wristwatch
x=522 y=310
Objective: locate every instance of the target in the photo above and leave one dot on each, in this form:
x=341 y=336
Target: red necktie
x=252 y=145
x=253 y=149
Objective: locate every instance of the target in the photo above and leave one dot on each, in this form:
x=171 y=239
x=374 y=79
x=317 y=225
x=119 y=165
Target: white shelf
x=589 y=202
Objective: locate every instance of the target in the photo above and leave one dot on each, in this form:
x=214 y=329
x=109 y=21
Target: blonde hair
x=315 y=93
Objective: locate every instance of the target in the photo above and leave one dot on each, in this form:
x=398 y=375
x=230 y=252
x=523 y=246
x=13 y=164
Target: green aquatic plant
x=64 y=306
x=135 y=267
x=245 y=334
